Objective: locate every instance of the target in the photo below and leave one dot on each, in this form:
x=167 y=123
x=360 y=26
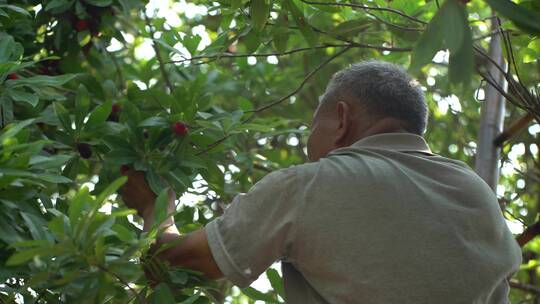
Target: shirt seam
x=299 y=216
x=233 y=263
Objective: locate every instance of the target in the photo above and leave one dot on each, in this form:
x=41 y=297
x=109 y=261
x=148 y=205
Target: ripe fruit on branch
x=179 y=128
x=13 y=76
x=124 y=169
x=116 y=107
x=81 y=25
x=115 y=112
x=84 y=150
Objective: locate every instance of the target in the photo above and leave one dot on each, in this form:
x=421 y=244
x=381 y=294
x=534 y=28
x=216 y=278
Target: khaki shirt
x=382 y=221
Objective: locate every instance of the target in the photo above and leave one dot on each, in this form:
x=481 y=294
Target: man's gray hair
x=385 y=89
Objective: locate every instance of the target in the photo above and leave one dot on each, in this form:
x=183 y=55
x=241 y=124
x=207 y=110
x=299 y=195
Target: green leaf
x=77 y=204
x=36 y=226
x=307 y=31
x=60 y=5
x=351 y=27
x=24 y=256
x=160 y=209
x=17 y=9
x=430 y=42
x=191 y=42
x=276 y=281
x=523 y=18
x=162 y=294
x=112 y=188
x=101 y=3
x=23 y=96
x=178 y=277
x=154 y=122
x=49 y=162
x=98 y=116
x=252 y=41
x=42 y=80
x=12 y=129
x=461 y=61
x=154 y=181
x=257 y=295
x=84 y=37
x=52 y=178
x=191 y=299
x=280 y=41
x=259 y=10
x=63 y=116
x=82 y=104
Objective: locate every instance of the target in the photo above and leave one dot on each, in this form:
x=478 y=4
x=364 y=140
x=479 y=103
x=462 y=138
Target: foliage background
x=89 y=85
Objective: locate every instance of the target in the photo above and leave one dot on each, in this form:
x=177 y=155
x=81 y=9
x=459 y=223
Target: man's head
x=364 y=99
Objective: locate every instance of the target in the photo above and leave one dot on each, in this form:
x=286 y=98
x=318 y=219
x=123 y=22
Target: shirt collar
x=401 y=142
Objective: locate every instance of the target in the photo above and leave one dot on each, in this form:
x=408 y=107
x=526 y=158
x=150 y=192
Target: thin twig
x=158 y=54
x=525 y=287
x=277 y=101
x=277 y=54
x=118 y=70
x=231 y=55
x=319 y=67
x=365 y=7
x=530 y=233
x=141 y=300
x=513 y=129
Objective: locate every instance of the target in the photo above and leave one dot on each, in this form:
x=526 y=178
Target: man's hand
x=137 y=194
x=192 y=252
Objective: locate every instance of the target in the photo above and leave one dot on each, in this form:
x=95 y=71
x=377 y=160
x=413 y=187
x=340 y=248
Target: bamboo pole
x=491 y=117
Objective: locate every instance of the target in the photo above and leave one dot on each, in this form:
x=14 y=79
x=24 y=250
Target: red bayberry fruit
x=124 y=169
x=116 y=107
x=81 y=25
x=13 y=76
x=84 y=150
x=179 y=128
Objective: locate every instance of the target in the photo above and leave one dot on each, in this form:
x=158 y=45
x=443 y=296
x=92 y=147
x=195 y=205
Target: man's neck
x=384 y=125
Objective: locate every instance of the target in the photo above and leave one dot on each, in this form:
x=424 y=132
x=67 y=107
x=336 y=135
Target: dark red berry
x=40 y=125
x=179 y=128
x=13 y=76
x=84 y=150
x=113 y=117
x=124 y=169
x=116 y=107
x=81 y=25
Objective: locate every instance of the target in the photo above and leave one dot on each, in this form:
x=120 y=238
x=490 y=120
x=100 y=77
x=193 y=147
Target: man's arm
x=190 y=250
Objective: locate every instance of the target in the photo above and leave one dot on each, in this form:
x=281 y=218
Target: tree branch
x=289 y=52
x=158 y=55
x=367 y=8
x=135 y=293
x=277 y=101
x=525 y=287
x=231 y=55
x=530 y=233
x=513 y=129
x=306 y=79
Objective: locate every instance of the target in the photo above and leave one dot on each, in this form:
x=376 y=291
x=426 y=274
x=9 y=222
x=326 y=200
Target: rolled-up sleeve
x=257 y=228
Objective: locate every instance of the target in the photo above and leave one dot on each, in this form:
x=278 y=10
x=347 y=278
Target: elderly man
x=375 y=217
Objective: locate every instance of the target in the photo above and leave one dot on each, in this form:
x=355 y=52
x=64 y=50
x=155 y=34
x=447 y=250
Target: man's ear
x=344 y=123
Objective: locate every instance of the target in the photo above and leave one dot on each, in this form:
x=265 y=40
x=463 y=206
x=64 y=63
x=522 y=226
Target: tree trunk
x=492 y=118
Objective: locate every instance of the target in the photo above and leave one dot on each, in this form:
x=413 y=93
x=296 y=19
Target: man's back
x=385 y=221
x=381 y=221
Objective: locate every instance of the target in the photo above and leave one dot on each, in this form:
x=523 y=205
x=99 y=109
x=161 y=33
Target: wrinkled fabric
x=381 y=221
